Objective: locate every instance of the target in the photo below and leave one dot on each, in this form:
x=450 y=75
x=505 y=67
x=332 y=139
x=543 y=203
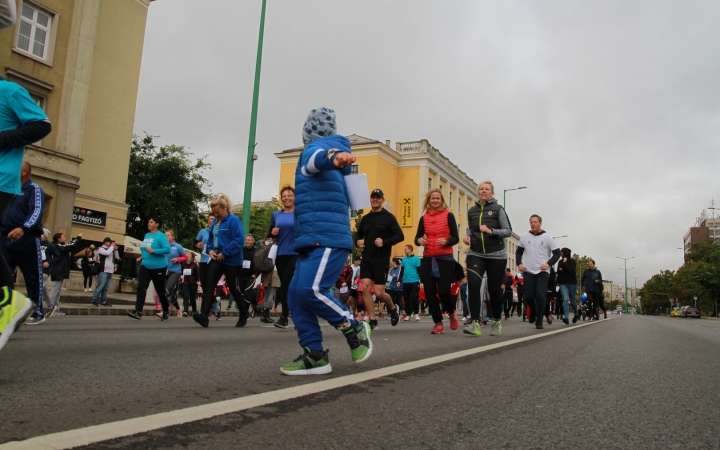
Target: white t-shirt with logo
x=538 y=251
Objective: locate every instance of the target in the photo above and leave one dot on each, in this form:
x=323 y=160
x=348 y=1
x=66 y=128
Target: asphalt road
x=635 y=382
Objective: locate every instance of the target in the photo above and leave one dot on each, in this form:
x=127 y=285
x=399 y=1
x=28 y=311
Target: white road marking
x=128 y=427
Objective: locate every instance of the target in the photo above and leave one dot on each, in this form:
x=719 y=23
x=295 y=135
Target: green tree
x=698 y=277
x=165 y=181
x=357 y=251
x=657 y=292
x=259 y=219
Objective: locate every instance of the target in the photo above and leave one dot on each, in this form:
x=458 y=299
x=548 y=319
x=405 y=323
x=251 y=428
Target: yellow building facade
x=405 y=174
x=80 y=61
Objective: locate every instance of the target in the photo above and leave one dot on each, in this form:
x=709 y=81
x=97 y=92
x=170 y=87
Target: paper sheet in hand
x=273 y=251
x=357 y=186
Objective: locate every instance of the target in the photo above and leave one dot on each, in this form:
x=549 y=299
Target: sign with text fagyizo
x=87 y=216
x=406 y=220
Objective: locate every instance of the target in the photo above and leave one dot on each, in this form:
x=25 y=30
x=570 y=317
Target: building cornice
x=30 y=79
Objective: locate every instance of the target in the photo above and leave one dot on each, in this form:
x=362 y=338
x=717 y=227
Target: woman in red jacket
x=438 y=232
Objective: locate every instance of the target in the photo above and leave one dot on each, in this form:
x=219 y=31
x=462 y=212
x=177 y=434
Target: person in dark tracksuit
x=507 y=286
x=591 y=282
x=21 y=229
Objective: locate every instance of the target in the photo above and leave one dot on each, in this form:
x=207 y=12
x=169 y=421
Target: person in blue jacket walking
x=225 y=248
x=323 y=241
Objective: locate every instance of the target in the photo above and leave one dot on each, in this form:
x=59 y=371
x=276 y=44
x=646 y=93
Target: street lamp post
x=253 y=126
x=508 y=190
x=626 y=269
x=635 y=292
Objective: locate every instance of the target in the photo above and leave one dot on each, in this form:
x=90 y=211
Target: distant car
x=690 y=311
x=675 y=312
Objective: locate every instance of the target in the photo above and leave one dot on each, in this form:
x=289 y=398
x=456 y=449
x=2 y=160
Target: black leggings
x=6 y=276
x=87 y=279
x=508 y=295
x=285 y=265
x=438 y=286
x=189 y=296
x=410 y=294
x=476 y=268
x=596 y=300
x=397 y=298
x=215 y=271
x=171 y=287
x=145 y=276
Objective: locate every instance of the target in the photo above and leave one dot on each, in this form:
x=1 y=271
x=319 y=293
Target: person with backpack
x=282 y=228
x=107 y=256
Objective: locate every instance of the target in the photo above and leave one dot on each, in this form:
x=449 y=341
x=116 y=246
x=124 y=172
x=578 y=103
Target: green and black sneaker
x=309 y=363
x=358 y=338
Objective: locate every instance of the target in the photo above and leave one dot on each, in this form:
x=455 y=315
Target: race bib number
x=146 y=243
x=187 y=272
x=343 y=290
x=389 y=278
x=246 y=264
x=43 y=255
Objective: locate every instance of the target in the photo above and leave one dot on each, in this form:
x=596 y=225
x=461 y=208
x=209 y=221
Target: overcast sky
x=609 y=112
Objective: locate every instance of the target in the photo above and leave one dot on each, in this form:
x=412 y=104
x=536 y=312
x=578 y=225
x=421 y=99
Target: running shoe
x=282 y=323
x=417 y=317
x=14 y=309
x=309 y=363
x=394 y=316
x=358 y=338
x=242 y=321
x=468 y=321
x=59 y=313
x=135 y=314
x=549 y=320
x=164 y=316
x=94 y=303
x=201 y=319
x=566 y=321
x=496 y=328
x=184 y=314
x=473 y=329
x=454 y=323
x=405 y=317
x=438 y=329
x=374 y=325
x=575 y=318
x=35 y=320
x=52 y=311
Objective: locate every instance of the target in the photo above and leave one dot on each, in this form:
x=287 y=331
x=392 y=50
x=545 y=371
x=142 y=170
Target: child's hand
x=343 y=160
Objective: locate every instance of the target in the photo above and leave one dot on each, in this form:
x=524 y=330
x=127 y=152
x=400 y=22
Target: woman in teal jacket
x=153 y=268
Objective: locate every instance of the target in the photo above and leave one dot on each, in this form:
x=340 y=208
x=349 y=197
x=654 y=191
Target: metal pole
x=253 y=125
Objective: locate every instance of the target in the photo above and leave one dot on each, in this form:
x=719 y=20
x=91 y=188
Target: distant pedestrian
x=107 y=257
x=567 y=280
x=175 y=258
x=86 y=264
x=507 y=288
x=201 y=242
x=60 y=270
x=395 y=286
x=591 y=282
x=49 y=255
x=540 y=252
x=190 y=281
x=410 y=279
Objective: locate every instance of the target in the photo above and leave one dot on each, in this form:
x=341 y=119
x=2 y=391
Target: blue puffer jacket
x=231 y=239
x=321 y=197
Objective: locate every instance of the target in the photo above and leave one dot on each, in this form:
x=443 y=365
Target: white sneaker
x=417 y=317
x=406 y=318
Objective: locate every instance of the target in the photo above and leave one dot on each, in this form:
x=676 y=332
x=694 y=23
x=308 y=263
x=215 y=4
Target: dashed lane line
x=98 y=433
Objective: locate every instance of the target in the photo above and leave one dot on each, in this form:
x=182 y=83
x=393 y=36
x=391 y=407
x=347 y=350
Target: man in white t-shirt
x=540 y=252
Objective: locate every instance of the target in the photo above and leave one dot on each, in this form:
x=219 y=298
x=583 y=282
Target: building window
x=451 y=199
x=36 y=32
x=429 y=183
x=354 y=169
x=352 y=213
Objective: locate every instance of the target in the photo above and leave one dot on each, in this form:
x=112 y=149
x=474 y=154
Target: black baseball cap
x=377 y=193
x=107 y=239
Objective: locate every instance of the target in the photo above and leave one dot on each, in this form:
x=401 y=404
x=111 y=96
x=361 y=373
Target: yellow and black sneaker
x=14 y=310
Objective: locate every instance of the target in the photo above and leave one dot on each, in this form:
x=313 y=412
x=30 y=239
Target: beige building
x=80 y=61
x=404 y=173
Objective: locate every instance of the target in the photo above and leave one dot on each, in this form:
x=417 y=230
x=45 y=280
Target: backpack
x=261 y=260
